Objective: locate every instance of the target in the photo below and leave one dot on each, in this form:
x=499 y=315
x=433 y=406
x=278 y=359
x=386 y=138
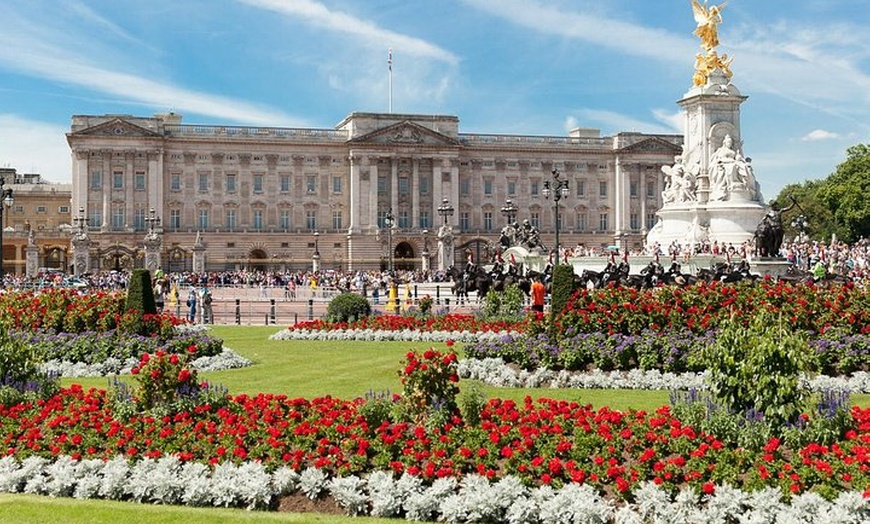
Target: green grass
x=351 y=369
x=33 y=509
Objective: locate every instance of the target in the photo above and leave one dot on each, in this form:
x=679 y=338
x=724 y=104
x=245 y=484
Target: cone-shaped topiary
x=140 y=295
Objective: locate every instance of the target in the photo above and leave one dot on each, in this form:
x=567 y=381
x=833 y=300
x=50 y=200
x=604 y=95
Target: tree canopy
x=837 y=205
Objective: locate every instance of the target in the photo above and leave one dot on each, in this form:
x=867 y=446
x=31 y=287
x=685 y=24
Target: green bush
x=562 y=288
x=757 y=368
x=19 y=371
x=18 y=360
x=506 y=305
x=140 y=302
x=140 y=295
x=348 y=307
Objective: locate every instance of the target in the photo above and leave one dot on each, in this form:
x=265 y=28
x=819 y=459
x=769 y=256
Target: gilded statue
x=708 y=20
x=706 y=64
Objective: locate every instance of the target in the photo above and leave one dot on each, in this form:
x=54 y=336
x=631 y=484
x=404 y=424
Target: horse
x=474 y=278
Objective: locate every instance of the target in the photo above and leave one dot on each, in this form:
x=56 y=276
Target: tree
x=845 y=193
x=818 y=214
x=835 y=205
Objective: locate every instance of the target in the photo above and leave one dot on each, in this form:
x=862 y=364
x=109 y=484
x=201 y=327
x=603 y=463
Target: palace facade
x=270 y=198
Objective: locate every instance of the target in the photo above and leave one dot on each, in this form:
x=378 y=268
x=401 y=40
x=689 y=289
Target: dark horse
x=474 y=278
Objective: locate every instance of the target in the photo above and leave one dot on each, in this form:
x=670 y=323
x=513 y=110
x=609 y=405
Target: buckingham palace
x=367 y=194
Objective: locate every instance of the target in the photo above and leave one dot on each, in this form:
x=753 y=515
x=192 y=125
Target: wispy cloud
x=591 y=27
x=24 y=51
x=366 y=31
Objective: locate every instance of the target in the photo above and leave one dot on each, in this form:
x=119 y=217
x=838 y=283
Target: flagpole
x=390 y=66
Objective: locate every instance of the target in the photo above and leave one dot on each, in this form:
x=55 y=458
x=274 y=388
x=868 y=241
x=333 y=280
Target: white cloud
x=590 y=27
x=30 y=146
x=320 y=15
x=819 y=134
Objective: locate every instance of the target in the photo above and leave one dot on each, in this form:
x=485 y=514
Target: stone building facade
x=269 y=198
x=40 y=217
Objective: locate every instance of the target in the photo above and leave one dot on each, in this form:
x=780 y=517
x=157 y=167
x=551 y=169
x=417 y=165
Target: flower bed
x=473 y=499
x=457 y=323
x=676 y=351
x=542 y=444
x=705 y=306
x=496 y=372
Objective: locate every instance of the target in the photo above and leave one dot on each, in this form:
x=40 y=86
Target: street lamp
x=153 y=221
x=389 y=220
x=445 y=210
x=6 y=196
x=558 y=188
x=81 y=221
x=509 y=210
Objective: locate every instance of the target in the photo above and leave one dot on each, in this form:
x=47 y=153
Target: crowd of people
x=839 y=258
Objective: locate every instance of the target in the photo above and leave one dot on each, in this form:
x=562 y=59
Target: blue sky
x=503 y=66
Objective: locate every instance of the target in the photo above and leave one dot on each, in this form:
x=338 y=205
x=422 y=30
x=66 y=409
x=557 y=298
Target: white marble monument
x=710 y=191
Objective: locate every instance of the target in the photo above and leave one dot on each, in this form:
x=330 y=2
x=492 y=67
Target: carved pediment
x=652 y=145
x=405 y=133
x=117 y=127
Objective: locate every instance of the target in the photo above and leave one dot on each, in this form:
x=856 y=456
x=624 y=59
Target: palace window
x=203 y=219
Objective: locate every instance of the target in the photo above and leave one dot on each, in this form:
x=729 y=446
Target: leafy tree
x=845 y=193
x=818 y=214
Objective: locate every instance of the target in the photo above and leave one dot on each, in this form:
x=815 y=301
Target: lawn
x=349 y=370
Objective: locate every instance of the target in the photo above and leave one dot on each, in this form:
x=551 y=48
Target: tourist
x=538 y=292
x=191 y=303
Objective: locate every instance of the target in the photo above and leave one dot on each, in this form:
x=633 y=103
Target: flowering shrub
x=162 y=377
x=429 y=379
x=705 y=306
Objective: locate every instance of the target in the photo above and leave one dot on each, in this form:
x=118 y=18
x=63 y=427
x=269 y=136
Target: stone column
x=354 y=184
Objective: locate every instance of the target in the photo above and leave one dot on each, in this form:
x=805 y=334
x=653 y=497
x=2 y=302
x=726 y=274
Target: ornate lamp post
x=6 y=196
x=509 y=210
x=558 y=188
x=445 y=210
x=389 y=221
x=81 y=222
x=153 y=221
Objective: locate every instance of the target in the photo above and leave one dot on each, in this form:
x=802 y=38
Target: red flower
x=708 y=488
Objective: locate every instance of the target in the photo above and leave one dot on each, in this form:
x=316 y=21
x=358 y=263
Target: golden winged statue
x=708 y=20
